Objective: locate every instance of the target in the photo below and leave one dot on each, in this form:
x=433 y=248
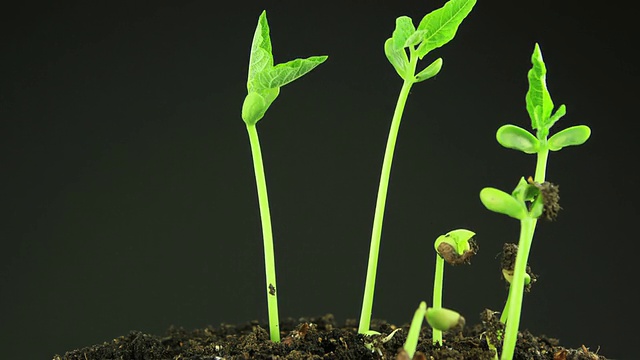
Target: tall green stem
x=367 y=303
x=516 y=289
x=267 y=235
x=437 y=294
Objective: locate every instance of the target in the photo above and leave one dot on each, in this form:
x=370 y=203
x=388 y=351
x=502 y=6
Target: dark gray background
x=127 y=188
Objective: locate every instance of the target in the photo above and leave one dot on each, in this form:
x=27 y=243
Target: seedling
x=535 y=197
x=406 y=46
x=455 y=247
x=263 y=86
x=440 y=319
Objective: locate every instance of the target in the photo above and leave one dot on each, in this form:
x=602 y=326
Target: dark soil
x=316 y=338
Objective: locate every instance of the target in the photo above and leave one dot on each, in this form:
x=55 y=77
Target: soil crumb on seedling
x=451 y=256
x=550 y=193
x=508 y=262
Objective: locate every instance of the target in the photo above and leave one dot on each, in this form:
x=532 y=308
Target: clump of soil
x=318 y=338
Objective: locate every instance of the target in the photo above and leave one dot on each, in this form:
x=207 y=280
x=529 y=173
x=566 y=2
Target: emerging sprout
x=455 y=247
x=439 y=319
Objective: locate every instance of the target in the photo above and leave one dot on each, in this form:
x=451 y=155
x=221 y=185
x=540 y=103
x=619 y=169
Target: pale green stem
x=516 y=289
x=505 y=311
x=541 y=165
x=411 y=343
x=438 y=281
x=267 y=235
x=367 y=302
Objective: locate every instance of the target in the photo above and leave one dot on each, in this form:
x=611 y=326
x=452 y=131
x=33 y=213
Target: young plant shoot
x=455 y=247
x=263 y=86
x=440 y=319
x=435 y=30
x=535 y=197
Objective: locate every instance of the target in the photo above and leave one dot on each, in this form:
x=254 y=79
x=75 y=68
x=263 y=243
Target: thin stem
x=437 y=294
x=411 y=343
x=367 y=302
x=516 y=290
x=267 y=235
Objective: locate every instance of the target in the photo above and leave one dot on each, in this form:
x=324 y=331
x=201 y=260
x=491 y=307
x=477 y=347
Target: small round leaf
x=443 y=319
x=517 y=138
x=503 y=203
x=575 y=135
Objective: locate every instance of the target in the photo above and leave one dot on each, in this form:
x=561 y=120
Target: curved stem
x=267 y=235
x=414 y=330
x=367 y=302
x=438 y=281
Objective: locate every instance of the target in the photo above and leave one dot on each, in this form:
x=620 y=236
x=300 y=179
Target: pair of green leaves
x=514 y=204
x=540 y=109
x=265 y=79
x=435 y=30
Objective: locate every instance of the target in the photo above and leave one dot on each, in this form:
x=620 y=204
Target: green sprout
x=440 y=319
x=263 y=86
x=435 y=30
x=533 y=197
x=455 y=247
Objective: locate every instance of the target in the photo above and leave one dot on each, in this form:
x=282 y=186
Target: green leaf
x=264 y=79
x=538 y=99
x=397 y=58
x=562 y=110
x=443 y=319
x=415 y=38
x=525 y=191
x=285 y=73
x=430 y=71
x=441 y=24
x=575 y=135
x=517 y=138
x=503 y=203
x=404 y=29
x=261 y=56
